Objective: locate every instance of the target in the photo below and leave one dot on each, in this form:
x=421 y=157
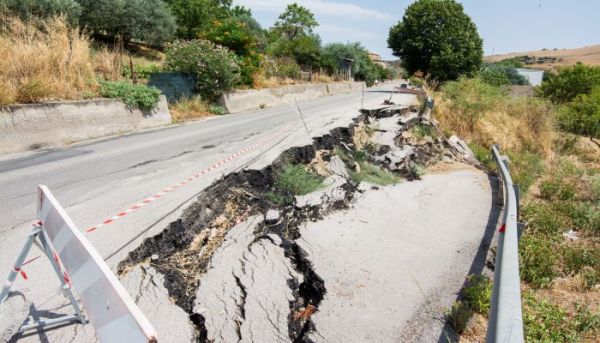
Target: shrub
x=500 y=75
x=216 y=68
x=447 y=49
x=570 y=82
x=483 y=155
x=582 y=115
x=475 y=298
x=42 y=63
x=140 y=96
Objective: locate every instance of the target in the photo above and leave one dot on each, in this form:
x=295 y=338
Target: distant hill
x=552 y=58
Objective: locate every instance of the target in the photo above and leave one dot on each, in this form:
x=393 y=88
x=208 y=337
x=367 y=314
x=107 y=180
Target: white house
x=534 y=76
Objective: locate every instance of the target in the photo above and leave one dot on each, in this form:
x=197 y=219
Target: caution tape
x=165 y=191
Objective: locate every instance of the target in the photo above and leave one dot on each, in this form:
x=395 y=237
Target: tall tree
x=296 y=20
x=437 y=38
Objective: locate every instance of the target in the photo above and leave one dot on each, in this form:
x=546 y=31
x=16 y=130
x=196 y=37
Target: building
x=376 y=58
x=534 y=76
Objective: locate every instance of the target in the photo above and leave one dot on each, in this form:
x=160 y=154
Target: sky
x=505 y=25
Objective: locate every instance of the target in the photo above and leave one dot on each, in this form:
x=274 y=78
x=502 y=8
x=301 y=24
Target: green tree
x=216 y=68
x=149 y=21
x=502 y=74
x=437 y=38
x=296 y=20
x=195 y=16
x=570 y=82
x=29 y=9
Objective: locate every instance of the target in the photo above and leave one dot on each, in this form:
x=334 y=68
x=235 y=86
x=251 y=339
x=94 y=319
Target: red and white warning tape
x=165 y=191
x=184 y=182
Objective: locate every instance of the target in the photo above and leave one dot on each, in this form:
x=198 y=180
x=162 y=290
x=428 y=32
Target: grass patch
x=194 y=108
x=295 y=179
x=537 y=260
x=373 y=174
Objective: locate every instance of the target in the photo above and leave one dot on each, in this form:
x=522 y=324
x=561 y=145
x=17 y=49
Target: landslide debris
x=232 y=262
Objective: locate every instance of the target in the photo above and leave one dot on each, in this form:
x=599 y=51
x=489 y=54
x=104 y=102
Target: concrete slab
x=396 y=250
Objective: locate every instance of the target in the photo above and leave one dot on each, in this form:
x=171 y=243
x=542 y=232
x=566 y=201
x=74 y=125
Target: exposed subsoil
x=183 y=251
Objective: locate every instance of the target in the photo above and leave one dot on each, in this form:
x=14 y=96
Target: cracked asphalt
x=96 y=180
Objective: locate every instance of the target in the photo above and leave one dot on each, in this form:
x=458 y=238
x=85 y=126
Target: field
x=553 y=58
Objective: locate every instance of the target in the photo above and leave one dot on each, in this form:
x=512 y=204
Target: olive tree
x=436 y=37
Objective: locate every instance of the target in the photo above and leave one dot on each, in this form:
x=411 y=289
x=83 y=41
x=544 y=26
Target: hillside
x=550 y=59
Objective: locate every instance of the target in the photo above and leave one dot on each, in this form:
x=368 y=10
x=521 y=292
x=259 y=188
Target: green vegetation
x=548 y=322
x=474 y=298
x=582 y=115
x=570 y=82
x=295 y=179
x=41 y=9
x=133 y=95
x=373 y=174
x=195 y=57
x=421 y=131
x=148 y=21
x=445 y=51
x=502 y=75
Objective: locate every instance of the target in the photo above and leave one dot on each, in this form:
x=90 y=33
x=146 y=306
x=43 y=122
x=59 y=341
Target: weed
x=577 y=257
x=537 y=257
x=525 y=169
x=294 y=179
x=542 y=217
x=417 y=170
x=547 y=322
x=478 y=293
x=483 y=155
x=557 y=190
x=373 y=174
x=421 y=131
x=475 y=298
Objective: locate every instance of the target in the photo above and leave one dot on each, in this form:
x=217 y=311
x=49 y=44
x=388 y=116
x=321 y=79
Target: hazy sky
x=504 y=25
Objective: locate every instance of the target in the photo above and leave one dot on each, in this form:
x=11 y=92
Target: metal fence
x=506 y=318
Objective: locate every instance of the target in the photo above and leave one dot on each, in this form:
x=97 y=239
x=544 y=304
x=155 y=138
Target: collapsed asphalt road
x=242 y=265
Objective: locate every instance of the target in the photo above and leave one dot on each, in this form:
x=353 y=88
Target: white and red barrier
x=108 y=306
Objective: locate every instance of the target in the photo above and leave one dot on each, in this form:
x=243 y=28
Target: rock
x=464 y=150
x=13 y=312
x=397 y=156
x=272 y=216
x=337 y=167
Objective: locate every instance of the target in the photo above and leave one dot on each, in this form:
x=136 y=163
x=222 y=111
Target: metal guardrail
x=506 y=318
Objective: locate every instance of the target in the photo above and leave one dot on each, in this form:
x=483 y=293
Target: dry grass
x=108 y=64
x=190 y=109
x=44 y=61
x=485 y=116
x=588 y=55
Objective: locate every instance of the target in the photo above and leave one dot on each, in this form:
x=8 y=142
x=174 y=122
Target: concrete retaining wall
x=254 y=99
x=33 y=126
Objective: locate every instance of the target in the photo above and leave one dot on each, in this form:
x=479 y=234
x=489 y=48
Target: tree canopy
x=296 y=20
x=436 y=37
x=149 y=21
